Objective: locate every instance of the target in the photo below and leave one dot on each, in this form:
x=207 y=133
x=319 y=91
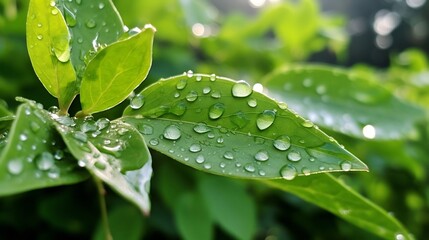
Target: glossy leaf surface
x=327 y=192
x=49 y=49
x=116 y=71
x=343 y=102
x=108 y=151
x=221 y=126
x=35 y=156
x=93 y=24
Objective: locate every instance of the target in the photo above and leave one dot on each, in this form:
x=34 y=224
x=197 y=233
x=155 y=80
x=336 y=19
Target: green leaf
x=221 y=126
x=229 y=205
x=49 y=50
x=342 y=102
x=109 y=151
x=93 y=25
x=327 y=192
x=116 y=71
x=192 y=217
x=35 y=157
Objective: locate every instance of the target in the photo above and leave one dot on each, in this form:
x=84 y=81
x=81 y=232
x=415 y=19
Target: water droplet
x=306 y=171
x=172 y=132
x=207 y=166
x=15 y=166
x=66 y=121
x=369 y=131
x=154 y=141
x=81 y=163
x=40 y=37
x=80 y=40
x=307 y=124
x=346 y=166
x=145 y=129
x=294 y=156
x=54 y=11
x=201 y=128
x=241 y=89
x=100 y=165
x=45 y=161
x=288 y=172
x=249 y=168
x=399 y=236
x=91 y=23
x=102 y=123
x=240 y=119
x=189 y=73
x=200 y=159
x=39 y=25
x=222 y=165
x=265 y=119
x=23 y=137
x=195 y=148
x=80 y=136
x=215 y=94
x=211 y=135
x=321 y=89
x=137 y=101
x=262 y=156
x=207 y=90
x=54 y=173
x=198 y=78
x=213 y=77
x=101 y=5
x=88 y=126
x=179 y=108
x=282 y=105
x=181 y=84
x=216 y=110
x=219 y=140
x=262 y=173
x=228 y=155
x=192 y=96
x=59 y=154
x=282 y=143
x=308 y=82
x=252 y=103
x=35 y=127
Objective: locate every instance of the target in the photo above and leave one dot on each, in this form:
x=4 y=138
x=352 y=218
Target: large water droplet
x=265 y=119
x=181 y=84
x=216 y=110
x=45 y=161
x=179 y=108
x=201 y=128
x=241 y=89
x=240 y=119
x=282 y=143
x=228 y=155
x=346 y=166
x=195 y=148
x=288 y=172
x=172 y=132
x=294 y=156
x=192 y=96
x=15 y=166
x=137 y=101
x=200 y=159
x=262 y=156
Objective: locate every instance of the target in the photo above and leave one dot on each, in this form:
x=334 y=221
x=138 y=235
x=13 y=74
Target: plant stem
x=103 y=208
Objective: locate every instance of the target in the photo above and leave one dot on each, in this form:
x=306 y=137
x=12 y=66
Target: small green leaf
x=35 y=157
x=327 y=192
x=93 y=25
x=229 y=204
x=221 y=126
x=342 y=102
x=49 y=49
x=116 y=71
x=108 y=151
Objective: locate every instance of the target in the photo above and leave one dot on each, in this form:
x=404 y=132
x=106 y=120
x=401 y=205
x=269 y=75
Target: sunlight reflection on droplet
x=258 y=87
x=369 y=131
x=257 y=3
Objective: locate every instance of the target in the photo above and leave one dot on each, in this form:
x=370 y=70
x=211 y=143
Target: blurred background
x=385 y=40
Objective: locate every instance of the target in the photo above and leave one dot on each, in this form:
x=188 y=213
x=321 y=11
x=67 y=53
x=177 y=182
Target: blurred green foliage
x=240 y=45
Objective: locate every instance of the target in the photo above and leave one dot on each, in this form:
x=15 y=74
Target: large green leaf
x=221 y=126
x=116 y=71
x=114 y=152
x=327 y=192
x=49 y=49
x=93 y=25
x=35 y=156
x=342 y=102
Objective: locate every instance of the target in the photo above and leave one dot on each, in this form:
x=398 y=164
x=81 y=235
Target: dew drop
x=101 y=5
x=216 y=94
x=213 y=77
x=145 y=129
x=207 y=166
x=23 y=137
x=195 y=148
x=399 y=236
x=228 y=155
x=39 y=25
x=181 y=84
x=88 y=126
x=346 y=166
x=40 y=37
x=207 y=90
x=282 y=143
x=216 y=110
x=210 y=135
x=102 y=123
x=200 y=159
x=241 y=89
x=176 y=95
x=201 y=128
x=178 y=109
x=262 y=173
x=78 y=2
x=91 y=23
x=80 y=136
x=59 y=154
x=219 y=140
x=262 y=156
x=100 y=165
x=54 y=11
x=35 y=127
x=282 y=105
x=294 y=156
x=288 y=172
x=222 y=165
x=321 y=89
x=307 y=124
x=54 y=173
x=154 y=141
x=189 y=73
x=249 y=168
x=137 y=102
x=240 y=119
x=172 y=132
x=15 y=166
x=265 y=119
x=369 y=131
x=192 y=96
x=306 y=171
x=198 y=78
x=45 y=161
x=252 y=103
